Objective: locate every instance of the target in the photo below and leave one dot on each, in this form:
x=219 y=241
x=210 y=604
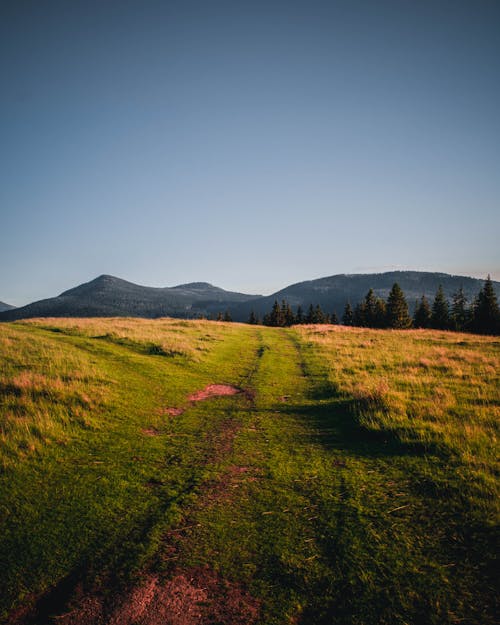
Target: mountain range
x=4 y=306
x=108 y=296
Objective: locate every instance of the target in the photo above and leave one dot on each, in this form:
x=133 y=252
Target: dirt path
x=176 y=596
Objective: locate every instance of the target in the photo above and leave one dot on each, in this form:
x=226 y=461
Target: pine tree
x=348 y=316
x=370 y=306
x=299 y=317
x=310 y=314
x=422 y=316
x=486 y=312
x=252 y=319
x=289 y=316
x=334 y=320
x=359 y=315
x=319 y=315
x=275 y=316
x=380 y=314
x=227 y=316
x=440 y=318
x=220 y=316
x=460 y=315
x=397 y=309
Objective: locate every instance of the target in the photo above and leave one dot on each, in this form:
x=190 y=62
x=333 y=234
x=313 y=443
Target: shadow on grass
x=334 y=422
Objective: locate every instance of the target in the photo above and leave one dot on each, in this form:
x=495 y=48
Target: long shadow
x=334 y=423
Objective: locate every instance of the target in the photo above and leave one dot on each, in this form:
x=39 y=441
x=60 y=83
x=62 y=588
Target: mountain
x=333 y=292
x=4 y=306
x=107 y=296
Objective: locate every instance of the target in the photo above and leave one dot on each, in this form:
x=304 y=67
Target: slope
x=351 y=481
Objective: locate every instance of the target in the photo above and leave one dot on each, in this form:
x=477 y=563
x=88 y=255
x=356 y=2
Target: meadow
x=353 y=479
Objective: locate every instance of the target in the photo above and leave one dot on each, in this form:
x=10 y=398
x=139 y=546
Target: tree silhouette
x=397 y=309
x=460 y=314
x=422 y=316
x=440 y=318
x=348 y=316
x=486 y=312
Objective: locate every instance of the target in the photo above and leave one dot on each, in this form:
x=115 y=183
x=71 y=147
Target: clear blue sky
x=247 y=144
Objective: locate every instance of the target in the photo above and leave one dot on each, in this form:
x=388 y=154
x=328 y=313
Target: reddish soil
x=150 y=432
x=193 y=597
x=173 y=412
x=214 y=390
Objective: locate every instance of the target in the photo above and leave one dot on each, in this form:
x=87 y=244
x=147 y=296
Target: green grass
x=355 y=482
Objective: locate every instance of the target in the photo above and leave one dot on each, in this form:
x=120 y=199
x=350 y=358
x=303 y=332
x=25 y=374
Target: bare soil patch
x=193 y=597
x=151 y=432
x=214 y=390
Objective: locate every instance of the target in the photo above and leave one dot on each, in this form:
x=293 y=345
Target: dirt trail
x=197 y=596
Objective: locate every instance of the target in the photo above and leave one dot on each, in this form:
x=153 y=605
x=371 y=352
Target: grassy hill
x=352 y=480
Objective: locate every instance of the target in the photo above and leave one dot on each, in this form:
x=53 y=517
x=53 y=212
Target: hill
x=332 y=292
x=4 y=306
x=173 y=471
x=107 y=296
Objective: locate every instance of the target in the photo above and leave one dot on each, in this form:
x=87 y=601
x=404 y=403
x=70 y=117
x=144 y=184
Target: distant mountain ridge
x=332 y=292
x=108 y=296
x=4 y=306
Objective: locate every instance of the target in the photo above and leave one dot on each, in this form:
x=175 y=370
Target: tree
x=220 y=316
x=359 y=315
x=310 y=314
x=299 y=317
x=319 y=315
x=370 y=308
x=334 y=320
x=486 y=312
x=288 y=316
x=422 y=316
x=348 y=316
x=227 y=316
x=440 y=317
x=252 y=319
x=380 y=320
x=275 y=316
x=460 y=314
x=397 y=309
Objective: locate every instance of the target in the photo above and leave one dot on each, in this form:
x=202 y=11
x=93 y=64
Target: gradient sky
x=247 y=144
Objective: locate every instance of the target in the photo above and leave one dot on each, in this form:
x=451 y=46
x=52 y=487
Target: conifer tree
x=275 y=316
x=334 y=320
x=310 y=314
x=289 y=316
x=380 y=320
x=486 y=311
x=348 y=316
x=397 y=309
x=422 y=316
x=220 y=316
x=227 y=316
x=370 y=305
x=359 y=315
x=299 y=317
x=319 y=315
x=440 y=317
x=252 y=319
x=460 y=315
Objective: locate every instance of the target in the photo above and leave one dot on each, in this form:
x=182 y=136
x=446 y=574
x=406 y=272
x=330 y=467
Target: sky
x=247 y=144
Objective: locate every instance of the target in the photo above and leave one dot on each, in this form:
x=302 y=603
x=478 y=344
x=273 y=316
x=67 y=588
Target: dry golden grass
x=171 y=337
x=437 y=386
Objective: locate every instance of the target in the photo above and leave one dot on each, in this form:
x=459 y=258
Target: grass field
x=354 y=480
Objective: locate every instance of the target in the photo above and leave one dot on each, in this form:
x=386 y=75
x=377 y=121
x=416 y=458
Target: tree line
x=482 y=315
